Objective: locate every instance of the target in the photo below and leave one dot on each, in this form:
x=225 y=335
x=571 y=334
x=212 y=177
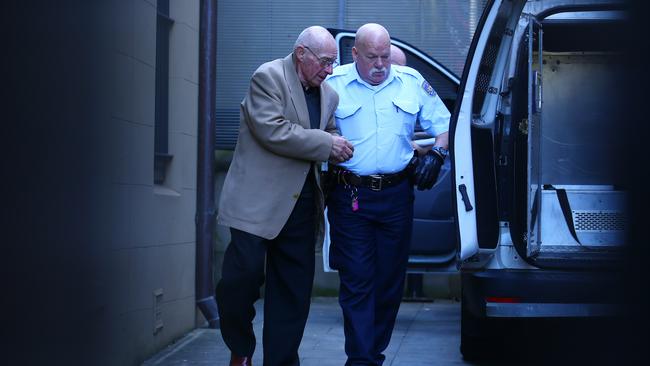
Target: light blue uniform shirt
x=379 y=120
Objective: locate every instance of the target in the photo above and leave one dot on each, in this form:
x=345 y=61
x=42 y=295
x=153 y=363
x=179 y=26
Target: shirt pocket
x=407 y=111
x=346 y=110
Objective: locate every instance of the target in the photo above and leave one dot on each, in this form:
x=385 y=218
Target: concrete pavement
x=425 y=334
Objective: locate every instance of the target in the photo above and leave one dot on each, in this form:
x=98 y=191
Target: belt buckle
x=375 y=182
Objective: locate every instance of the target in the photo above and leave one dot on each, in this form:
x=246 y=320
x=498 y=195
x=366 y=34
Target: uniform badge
x=428 y=88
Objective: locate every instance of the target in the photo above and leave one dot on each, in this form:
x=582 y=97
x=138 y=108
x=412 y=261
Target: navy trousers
x=370 y=249
x=289 y=261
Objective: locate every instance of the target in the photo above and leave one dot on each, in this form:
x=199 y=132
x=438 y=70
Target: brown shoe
x=239 y=361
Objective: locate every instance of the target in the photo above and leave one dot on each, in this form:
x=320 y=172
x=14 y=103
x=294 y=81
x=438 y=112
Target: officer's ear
x=355 y=54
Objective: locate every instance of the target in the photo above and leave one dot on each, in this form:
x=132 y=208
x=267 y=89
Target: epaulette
x=408 y=71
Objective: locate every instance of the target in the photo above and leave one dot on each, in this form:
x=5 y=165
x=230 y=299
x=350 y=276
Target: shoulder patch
x=428 y=88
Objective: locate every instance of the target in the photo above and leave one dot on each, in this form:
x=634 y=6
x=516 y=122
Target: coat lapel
x=325 y=101
x=295 y=90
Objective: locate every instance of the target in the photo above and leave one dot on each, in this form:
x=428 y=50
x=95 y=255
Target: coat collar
x=295 y=90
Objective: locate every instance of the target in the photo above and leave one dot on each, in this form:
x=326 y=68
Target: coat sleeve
x=263 y=111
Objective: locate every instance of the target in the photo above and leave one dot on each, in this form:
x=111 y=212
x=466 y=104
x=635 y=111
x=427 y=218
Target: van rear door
x=472 y=123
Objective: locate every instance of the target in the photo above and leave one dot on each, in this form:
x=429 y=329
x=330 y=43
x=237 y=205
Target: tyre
x=474 y=345
x=481 y=338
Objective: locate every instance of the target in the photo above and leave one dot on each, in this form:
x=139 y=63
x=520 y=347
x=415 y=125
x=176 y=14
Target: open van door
x=471 y=126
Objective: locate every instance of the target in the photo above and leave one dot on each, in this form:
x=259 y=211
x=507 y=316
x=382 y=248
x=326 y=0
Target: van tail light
x=503 y=300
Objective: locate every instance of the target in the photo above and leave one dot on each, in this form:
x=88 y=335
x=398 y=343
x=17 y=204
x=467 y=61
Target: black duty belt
x=376 y=182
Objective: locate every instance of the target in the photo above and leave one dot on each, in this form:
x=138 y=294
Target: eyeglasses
x=323 y=61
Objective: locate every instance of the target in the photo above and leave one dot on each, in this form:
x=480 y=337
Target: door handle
x=463 y=193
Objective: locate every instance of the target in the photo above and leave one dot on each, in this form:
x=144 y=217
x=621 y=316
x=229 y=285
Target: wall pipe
x=205 y=204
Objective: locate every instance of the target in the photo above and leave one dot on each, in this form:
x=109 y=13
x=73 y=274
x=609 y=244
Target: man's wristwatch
x=440 y=151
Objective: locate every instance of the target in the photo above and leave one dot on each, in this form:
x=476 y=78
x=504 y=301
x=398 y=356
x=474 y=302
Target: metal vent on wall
x=599 y=221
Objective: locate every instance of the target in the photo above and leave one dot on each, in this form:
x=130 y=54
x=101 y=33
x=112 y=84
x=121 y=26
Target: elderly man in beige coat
x=272 y=200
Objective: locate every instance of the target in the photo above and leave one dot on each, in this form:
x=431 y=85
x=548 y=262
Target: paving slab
x=425 y=334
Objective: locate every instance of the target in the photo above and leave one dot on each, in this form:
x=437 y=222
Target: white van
x=531 y=207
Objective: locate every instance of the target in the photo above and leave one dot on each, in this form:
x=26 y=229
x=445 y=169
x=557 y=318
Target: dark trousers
x=370 y=250
x=289 y=260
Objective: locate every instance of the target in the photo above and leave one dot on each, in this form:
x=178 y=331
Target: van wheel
x=472 y=348
x=471 y=341
x=481 y=338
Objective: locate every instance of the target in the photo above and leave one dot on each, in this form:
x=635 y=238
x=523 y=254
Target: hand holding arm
x=342 y=150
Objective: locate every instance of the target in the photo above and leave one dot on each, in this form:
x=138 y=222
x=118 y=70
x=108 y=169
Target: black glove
x=426 y=173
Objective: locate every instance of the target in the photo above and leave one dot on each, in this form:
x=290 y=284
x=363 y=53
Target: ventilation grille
x=599 y=220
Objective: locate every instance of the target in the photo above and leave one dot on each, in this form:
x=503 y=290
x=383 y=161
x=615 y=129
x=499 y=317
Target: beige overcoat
x=274 y=151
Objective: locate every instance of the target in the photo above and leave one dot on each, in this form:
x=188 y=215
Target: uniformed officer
x=370 y=210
